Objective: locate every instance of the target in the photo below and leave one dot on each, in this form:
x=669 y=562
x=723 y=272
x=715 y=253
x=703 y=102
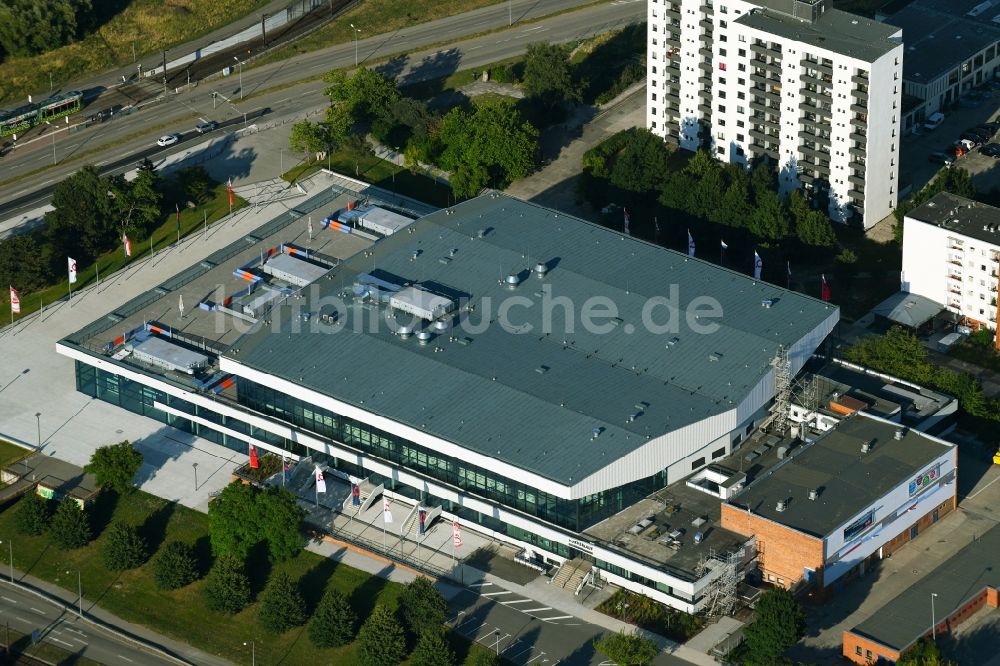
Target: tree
x=381 y=641
x=421 y=606
x=309 y=137
x=432 y=649
x=815 y=229
x=780 y=623
x=136 y=204
x=280 y=519
x=924 y=653
x=768 y=219
x=82 y=224
x=194 y=182
x=114 y=466
x=227 y=589
x=70 y=526
x=281 y=606
x=548 y=78
x=642 y=163
x=25 y=276
x=333 y=623
x=175 y=566
x=33 y=514
x=123 y=547
x=243 y=515
x=627 y=649
x=366 y=96
x=30 y=27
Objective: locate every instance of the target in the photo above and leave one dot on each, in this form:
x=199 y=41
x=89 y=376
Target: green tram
x=25 y=117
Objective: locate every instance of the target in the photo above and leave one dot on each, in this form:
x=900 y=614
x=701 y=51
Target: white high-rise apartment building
x=814 y=88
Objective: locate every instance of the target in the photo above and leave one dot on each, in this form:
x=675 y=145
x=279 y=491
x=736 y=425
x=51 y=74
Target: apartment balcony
x=670 y=12
x=856 y=180
x=705 y=108
x=765 y=51
x=860 y=80
x=773 y=66
x=859 y=123
x=857 y=166
x=705 y=66
x=759 y=149
x=821 y=80
x=818 y=66
x=705 y=81
x=858 y=152
x=705 y=52
x=823 y=97
x=955 y=262
x=808 y=107
x=858 y=108
x=759 y=79
x=813 y=151
x=771 y=94
x=672 y=96
x=763 y=107
x=955 y=276
x=856 y=193
x=706 y=24
x=860 y=137
x=807 y=178
x=861 y=97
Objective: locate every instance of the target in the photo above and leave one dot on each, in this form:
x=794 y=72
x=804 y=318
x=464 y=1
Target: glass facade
x=575 y=515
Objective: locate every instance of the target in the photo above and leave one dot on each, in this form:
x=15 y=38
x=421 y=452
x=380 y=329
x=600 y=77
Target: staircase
x=571 y=574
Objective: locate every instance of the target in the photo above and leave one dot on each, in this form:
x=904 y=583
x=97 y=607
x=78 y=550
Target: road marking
x=18 y=617
x=515 y=601
x=56 y=640
x=479 y=584
x=493 y=594
x=534 y=658
x=40 y=612
x=557 y=617
x=75 y=631
x=8 y=599
x=126 y=659
x=533 y=610
x=984 y=488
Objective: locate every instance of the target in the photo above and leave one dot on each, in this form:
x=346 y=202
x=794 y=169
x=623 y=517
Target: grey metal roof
x=911 y=310
x=906 y=618
x=848 y=480
x=835 y=30
x=940 y=35
x=534 y=399
x=963 y=216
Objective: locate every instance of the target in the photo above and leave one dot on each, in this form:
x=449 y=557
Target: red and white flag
x=229 y=188
x=456 y=533
x=320 y=481
x=254 y=461
x=71 y=263
x=15 y=301
x=387 y=510
x=625 y=213
x=128 y=245
x=824 y=288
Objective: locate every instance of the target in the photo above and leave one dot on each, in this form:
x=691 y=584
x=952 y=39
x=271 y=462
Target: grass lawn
x=147 y=26
x=11 y=452
x=182 y=614
x=192 y=222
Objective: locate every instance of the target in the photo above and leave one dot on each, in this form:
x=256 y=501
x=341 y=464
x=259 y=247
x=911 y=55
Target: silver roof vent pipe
x=424 y=337
x=541 y=269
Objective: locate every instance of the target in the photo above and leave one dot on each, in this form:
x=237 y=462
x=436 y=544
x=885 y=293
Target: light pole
x=933 y=618
x=194 y=466
x=253 y=652
x=79 y=588
x=281 y=160
x=50 y=81
x=497 y=644
x=356 y=31
x=38 y=423
x=510 y=15
x=10 y=546
x=240 y=63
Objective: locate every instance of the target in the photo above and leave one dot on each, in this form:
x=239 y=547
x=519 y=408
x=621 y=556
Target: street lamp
x=195 y=467
x=933 y=618
x=497 y=644
x=240 y=63
x=79 y=587
x=356 y=31
x=510 y=15
x=10 y=546
x=253 y=652
x=38 y=422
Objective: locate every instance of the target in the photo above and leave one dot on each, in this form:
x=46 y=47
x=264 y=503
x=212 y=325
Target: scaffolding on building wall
x=722 y=592
x=782 y=390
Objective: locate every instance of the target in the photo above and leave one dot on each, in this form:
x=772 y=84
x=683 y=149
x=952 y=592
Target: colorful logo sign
x=924 y=480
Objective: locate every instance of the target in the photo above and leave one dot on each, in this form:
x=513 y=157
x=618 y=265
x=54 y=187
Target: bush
x=70 y=526
x=421 y=606
x=33 y=514
x=281 y=606
x=632 y=73
x=627 y=649
x=333 y=622
x=644 y=612
x=123 y=548
x=780 y=623
x=432 y=650
x=115 y=466
x=381 y=641
x=175 y=566
x=227 y=589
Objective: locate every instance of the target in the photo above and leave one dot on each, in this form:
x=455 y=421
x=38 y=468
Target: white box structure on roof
x=383 y=221
x=292 y=270
x=163 y=354
x=421 y=303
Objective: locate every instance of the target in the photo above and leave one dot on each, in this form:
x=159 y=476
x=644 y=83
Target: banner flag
x=72 y=269
x=320 y=481
x=15 y=301
x=758 y=264
x=387 y=511
x=254 y=461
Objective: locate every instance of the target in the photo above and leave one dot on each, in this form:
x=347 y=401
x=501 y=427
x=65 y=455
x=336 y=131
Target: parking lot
x=917 y=170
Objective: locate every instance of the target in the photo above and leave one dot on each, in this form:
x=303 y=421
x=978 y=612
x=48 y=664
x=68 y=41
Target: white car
x=168 y=140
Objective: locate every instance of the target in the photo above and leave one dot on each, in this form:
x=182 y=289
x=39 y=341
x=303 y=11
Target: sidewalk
x=134 y=633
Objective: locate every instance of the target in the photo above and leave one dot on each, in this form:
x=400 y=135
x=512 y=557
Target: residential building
x=814 y=89
x=838 y=503
x=452 y=363
x=951 y=255
x=951 y=46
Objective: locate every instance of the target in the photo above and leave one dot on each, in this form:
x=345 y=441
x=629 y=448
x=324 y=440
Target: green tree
x=897 y=353
x=627 y=649
x=30 y=27
x=25 y=276
x=641 y=164
x=381 y=641
x=309 y=137
x=924 y=653
x=734 y=206
x=123 y=547
x=227 y=588
x=136 y=204
x=194 y=182
x=280 y=518
x=366 y=96
x=243 y=515
x=815 y=228
x=421 y=606
x=82 y=224
x=768 y=219
x=114 y=466
x=70 y=526
x=175 y=566
x=548 y=77
x=780 y=623
x=33 y=515
x=281 y=605
x=333 y=623
x=432 y=649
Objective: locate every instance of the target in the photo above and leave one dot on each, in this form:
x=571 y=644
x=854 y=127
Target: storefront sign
x=582 y=545
x=924 y=481
x=859 y=525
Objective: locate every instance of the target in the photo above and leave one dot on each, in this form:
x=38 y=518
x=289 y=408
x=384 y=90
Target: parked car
x=206 y=126
x=991 y=150
x=941 y=158
x=934 y=121
x=991 y=127
x=168 y=140
x=968 y=144
x=977 y=134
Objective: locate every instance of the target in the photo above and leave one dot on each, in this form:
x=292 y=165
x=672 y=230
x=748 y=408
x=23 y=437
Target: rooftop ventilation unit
x=898 y=435
x=596 y=432
x=404 y=331
x=866 y=447
x=424 y=337
x=512 y=280
x=813 y=494
x=541 y=269
x=780 y=506
x=767 y=303
x=440 y=325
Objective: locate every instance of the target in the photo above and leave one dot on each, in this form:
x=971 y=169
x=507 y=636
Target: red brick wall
x=782 y=552
x=926 y=521
x=868 y=647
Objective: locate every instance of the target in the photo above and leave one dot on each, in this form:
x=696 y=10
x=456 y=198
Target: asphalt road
x=25 y=612
x=528 y=633
x=116 y=144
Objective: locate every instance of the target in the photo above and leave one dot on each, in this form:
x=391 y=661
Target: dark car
x=983 y=134
x=991 y=150
x=991 y=127
x=942 y=158
x=973 y=138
